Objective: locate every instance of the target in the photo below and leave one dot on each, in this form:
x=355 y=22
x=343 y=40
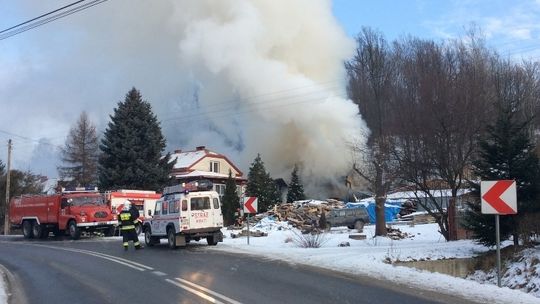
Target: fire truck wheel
x=38 y=230
x=171 y=238
x=27 y=229
x=138 y=229
x=74 y=231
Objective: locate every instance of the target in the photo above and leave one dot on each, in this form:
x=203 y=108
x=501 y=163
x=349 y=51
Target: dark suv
x=353 y=218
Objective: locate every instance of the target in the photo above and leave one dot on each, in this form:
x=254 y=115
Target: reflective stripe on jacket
x=126 y=220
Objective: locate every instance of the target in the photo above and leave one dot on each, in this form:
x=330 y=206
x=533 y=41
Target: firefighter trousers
x=130 y=235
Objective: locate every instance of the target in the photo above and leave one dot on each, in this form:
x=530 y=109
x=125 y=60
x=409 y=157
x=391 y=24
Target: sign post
x=498 y=197
x=250 y=206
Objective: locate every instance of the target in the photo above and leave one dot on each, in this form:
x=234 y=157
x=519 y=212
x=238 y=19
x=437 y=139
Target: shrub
x=310 y=240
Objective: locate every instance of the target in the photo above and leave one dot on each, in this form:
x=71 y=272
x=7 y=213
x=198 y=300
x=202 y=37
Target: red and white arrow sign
x=498 y=197
x=250 y=204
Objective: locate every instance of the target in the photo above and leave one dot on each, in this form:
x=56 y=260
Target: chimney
x=200 y=148
x=178 y=151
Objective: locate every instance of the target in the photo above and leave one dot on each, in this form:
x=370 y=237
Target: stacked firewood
x=304 y=215
x=396 y=234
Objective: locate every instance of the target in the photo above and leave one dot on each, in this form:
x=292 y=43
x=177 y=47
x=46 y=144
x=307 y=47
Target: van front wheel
x=171 y=238
x=138 y=229
x=149 y=239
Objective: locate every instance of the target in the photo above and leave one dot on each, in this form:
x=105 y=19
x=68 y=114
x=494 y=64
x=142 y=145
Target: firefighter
x=135 y=214
x=127 y=223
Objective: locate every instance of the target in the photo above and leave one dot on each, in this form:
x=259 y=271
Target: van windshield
x=85 y=200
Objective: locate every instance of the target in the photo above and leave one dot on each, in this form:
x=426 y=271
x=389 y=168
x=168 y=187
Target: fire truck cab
x=184 y=213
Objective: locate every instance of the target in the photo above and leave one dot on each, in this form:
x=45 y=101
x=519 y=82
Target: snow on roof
x=413 y=194
x=186 y=159
x=198 y=173
x=298 y=204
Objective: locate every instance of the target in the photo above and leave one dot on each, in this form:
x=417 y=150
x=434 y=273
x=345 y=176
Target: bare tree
x=445 y=89
x=80 y=154
x=371 y=73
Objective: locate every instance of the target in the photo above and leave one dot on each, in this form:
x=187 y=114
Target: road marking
x=216 y=294
x=117 y=258
x=197 y=289
x=112 y=258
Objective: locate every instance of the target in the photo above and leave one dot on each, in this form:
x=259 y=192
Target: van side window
x=184 y=205
x=200 y=203
x=165 y=208
x=174 y=206
x=158 y=208
x=216 y=203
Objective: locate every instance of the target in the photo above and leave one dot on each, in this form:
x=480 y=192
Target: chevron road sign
x=498 y=197
x=250 y=204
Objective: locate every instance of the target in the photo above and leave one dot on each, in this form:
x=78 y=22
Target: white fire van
x=184 y=213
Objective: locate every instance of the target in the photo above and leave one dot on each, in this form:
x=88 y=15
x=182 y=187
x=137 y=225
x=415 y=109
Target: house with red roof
x=203 y=164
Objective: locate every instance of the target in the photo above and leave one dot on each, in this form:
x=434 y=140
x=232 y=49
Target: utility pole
x=8 y=173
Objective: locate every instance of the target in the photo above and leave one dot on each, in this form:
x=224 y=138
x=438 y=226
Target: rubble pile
x=396 y=234
x=304 y=215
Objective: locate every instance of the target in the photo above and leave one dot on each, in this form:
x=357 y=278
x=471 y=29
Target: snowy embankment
x=367 y=257
x=3 y=296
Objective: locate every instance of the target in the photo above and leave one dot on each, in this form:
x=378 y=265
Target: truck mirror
x=149 y=212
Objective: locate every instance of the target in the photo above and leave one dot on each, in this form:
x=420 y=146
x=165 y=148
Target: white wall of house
x=216 y=165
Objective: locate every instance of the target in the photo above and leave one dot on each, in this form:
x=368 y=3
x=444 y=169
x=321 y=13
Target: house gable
x=204 y=160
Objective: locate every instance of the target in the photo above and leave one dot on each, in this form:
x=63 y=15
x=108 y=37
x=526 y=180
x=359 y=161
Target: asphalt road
x=98 y=270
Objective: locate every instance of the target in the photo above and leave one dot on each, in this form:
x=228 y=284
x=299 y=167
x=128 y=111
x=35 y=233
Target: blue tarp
x=391 y=210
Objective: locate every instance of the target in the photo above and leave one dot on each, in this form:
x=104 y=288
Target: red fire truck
x=143 y=200
x=73 y=210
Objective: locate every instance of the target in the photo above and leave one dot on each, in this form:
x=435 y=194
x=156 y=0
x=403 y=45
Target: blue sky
x=511 y=27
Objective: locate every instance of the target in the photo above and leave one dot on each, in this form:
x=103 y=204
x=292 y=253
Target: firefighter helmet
x=127 y=205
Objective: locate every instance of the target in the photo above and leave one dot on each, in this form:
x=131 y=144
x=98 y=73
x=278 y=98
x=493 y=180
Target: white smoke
x=240 y=77
x=278 y=65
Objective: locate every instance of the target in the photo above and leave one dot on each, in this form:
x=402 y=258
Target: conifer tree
x=296 y=189
x=231 y=201
x=261 y=185
x=132 y=148
x=80 y=154
x=506 y=153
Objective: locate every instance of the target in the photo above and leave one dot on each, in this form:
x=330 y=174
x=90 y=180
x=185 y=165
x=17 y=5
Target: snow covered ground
x=3 y=296
x=367 y=257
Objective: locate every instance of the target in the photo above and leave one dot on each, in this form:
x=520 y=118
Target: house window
x=214 y=166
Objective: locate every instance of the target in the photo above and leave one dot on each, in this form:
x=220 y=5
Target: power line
x=38 y=17
x=249 y=101
x=15 y=30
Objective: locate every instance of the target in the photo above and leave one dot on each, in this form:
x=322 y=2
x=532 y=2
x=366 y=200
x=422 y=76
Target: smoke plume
x=271 y=76
x=240 y=77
